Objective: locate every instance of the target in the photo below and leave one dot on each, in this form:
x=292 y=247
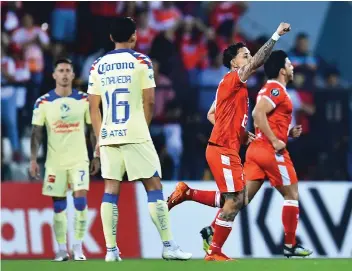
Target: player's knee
x=155 y=195
x=60 y=205
x=80 y=203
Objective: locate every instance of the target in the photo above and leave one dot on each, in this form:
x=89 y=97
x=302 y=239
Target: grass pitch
x=193 y=265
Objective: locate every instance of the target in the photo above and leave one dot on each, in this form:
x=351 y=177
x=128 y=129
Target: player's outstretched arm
x=36 y=140
x=263 y=53
x=262 y=108
x=211 y=114
x=148 y=103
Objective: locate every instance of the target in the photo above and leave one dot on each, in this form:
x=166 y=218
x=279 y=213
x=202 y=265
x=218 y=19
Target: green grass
x=194 y=265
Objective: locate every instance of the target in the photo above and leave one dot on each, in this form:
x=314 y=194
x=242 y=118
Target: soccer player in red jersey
x=231 y=114
x=267 y=157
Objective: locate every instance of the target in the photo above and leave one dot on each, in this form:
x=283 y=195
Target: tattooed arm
x=92 y=137
x=263 y=54
x=36 y=140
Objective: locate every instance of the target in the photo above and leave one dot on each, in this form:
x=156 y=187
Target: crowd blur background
x=185 y=41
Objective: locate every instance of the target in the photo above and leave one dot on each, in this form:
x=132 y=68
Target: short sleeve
x=38 y=113
x=87 y=115
x=274 y=95
x=235 y=81
x=93 y=86
x=147 y=77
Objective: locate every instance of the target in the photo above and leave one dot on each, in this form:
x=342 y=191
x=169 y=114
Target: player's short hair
x=63 y=61
x=122 y=28
x=231 y=52
x=275 y=63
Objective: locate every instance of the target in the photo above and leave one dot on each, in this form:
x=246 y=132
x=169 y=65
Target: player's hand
x=251 y=137
x=296 y=131
x=283 y=29
x=34 y=170
x=279 y=145
x=95 y=166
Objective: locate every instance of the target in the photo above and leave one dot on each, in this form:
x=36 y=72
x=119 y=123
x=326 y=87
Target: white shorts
x=139 y=160
x=57 y=181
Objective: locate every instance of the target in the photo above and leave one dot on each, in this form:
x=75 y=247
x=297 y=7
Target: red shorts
x=263 y=163
x=225 y=164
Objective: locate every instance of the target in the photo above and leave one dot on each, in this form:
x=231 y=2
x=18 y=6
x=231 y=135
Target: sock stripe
x=217 y=199
x=222 y=223
x=293 y=203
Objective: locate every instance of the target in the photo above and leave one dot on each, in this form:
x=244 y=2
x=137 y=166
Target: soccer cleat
x=217 y=257
x=176 y=254
x=297 y=251
x=113 y=255
x=178 y=196
x=61 y=256
x=77 y=253
x=207 y=235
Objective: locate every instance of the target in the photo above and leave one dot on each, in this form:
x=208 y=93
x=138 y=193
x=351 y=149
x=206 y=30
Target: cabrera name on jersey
x=120 y=77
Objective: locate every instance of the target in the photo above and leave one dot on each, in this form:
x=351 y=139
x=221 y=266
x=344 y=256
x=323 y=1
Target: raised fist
x=283 y=28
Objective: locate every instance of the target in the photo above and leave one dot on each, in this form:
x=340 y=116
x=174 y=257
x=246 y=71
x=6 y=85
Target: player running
x=64 y=111
x=267 y=157
x=124 y=81
x=228 y=134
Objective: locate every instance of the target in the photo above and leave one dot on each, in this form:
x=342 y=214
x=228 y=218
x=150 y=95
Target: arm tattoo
x=36 y=140
x=258 y=60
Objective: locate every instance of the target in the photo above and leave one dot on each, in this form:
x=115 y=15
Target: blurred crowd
x=185 y=41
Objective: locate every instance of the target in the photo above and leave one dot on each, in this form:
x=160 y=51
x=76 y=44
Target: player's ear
x=54 y=76
x=233 y=63
x=111 y=38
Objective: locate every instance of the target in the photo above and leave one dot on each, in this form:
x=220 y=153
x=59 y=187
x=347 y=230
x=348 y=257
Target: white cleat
x=77 y=253
x=61 y=256
x=176 y=254
x=113 y=255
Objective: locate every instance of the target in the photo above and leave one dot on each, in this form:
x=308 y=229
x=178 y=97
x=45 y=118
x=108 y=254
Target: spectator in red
x=64 y=21
x=164 y=15
x=193 y=48
x=103 y=12
x=33 y=40
x=145 y=34
x=226 y=11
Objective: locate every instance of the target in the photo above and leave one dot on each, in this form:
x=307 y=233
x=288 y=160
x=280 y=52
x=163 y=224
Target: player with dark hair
x=123 y=80
x=267 y=157
x=229 y=132
x=64 y=111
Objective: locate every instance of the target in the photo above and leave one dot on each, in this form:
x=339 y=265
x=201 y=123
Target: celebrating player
x=64 y=111
x=267 y=156
x=228 y=134
x=124 y=81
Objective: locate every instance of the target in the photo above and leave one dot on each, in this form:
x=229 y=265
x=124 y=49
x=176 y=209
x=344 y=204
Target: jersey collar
x=277 y=82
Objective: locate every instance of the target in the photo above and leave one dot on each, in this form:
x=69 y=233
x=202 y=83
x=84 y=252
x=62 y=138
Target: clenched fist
x=283 y=28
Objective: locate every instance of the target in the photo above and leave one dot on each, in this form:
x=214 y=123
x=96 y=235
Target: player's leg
x=142 y=163
x=113 y=169
x=55 y=186
x=284 y=178
x=79 y=180
x=227 y=170
x=254 y=175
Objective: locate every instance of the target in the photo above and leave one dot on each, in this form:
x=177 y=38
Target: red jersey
x=280 y=118
x=231 y=112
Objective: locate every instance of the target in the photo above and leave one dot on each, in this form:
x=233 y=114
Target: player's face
x=64 y=75
x=242 y=58
x=289 y=70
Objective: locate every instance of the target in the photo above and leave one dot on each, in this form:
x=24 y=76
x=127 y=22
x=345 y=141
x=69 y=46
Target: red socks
x=213 y=223
x=290 y=214
x=210 y=198
x=222 y=230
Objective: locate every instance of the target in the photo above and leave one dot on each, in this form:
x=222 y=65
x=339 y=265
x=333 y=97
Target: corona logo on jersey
x=105 y=67
x=61 y=127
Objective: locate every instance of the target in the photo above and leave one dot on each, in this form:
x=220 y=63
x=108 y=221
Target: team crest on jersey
x=275 y=92
x=64 y=111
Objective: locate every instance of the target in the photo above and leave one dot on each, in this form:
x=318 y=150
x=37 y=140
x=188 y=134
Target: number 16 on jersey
x=120 y=108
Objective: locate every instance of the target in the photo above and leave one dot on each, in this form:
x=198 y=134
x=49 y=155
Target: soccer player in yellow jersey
x=123 y=81
x=64 y=111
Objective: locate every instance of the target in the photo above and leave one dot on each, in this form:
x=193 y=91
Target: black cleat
x=207 y=235
x=297 y=251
